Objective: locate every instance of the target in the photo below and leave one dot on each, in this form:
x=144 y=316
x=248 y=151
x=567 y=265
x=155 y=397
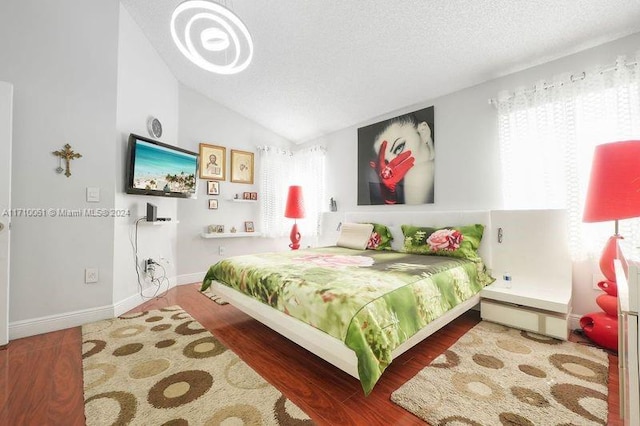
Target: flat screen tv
x=155 y=168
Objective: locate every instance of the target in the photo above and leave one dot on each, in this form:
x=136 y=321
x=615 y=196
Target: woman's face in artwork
x=406 y=137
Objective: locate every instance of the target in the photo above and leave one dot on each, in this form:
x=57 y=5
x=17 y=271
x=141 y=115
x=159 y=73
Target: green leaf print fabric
x=373 y=301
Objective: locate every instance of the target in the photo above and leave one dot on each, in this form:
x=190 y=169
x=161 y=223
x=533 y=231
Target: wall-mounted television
x=155 y=168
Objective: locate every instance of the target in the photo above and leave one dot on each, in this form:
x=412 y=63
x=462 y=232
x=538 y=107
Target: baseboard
x=574 y=321
x=190 y=278
x=31 y=327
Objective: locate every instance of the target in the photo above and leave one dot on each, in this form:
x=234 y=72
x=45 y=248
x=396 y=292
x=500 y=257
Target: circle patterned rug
x=163 y=368
x=495 y=375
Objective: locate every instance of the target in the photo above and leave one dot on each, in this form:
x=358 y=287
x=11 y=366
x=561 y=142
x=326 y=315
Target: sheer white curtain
x=280 y=168
x=547 y=136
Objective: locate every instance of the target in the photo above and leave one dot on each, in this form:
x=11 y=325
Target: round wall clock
x=154 y=127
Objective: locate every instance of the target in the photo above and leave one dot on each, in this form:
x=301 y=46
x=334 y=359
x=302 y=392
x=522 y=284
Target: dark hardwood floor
x=41 y=376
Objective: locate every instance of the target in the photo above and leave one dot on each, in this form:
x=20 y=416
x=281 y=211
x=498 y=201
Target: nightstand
x=530 y=246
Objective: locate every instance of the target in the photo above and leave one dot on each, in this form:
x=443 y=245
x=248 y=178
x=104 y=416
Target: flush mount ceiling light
x=219 y=34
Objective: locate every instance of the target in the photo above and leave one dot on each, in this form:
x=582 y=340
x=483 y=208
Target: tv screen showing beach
x=163 y=169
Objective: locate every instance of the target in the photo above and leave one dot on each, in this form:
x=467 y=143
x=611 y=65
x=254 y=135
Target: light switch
x=93 y=195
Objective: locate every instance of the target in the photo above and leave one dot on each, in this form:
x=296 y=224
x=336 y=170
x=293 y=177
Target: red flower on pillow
x=445 y=239
x=374 y=241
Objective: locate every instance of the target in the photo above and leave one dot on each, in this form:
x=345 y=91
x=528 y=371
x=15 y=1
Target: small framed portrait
x=246 y=195
x=241 y=166
x=254 y=195
x=213 y=204
x=248 y=227
x=216 y=229
x=213 y=187
x=212 y=161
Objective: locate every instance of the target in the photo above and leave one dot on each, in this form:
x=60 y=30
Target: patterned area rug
x=163 y=368
x=218 y=299
x=496 y=375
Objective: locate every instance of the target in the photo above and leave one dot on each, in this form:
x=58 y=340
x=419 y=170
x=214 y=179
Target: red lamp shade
x=613 y=193
x=295 y=203
x=614 y=186
x=294 y=210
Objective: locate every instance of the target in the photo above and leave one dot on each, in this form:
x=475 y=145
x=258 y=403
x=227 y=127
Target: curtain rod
x=573 y=78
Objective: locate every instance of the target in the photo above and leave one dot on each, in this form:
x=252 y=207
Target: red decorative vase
x=602 y=329
x=608 y=303
x=609 y=287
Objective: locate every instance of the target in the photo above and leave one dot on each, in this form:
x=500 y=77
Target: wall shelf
x=230 y=234
x=159 y=222
x=240 y=200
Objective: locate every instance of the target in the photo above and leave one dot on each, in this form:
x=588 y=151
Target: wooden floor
x=41 y=376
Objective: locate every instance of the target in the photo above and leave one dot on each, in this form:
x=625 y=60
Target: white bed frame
x=328 y=347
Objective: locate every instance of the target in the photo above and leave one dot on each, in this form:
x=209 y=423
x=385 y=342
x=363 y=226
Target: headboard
x=394 y=220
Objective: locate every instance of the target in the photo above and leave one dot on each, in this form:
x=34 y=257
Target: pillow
x=453 y=241
x=380 y=238
x=355 y=235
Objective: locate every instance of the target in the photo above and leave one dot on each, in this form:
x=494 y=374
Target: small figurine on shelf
x=235 y=197
x=233 y=229
x=334 y=205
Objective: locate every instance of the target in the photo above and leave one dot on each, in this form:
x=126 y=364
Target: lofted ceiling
x=323 y=65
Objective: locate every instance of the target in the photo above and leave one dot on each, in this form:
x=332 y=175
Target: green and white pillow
x=380 y=238
x=452 y=241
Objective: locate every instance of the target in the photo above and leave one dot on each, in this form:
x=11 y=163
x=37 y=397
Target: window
x=547 y=136
x=280 y=168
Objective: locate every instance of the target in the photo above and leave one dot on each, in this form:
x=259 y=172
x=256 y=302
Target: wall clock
x=154 y=127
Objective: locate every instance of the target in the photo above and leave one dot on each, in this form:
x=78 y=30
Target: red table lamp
x=613 y=194
x=295 y=210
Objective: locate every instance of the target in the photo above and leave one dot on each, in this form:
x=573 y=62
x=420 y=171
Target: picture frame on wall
x=400 y=172
x=213 y=187
x=241 y=166
x=248 y=227
x=213 y=204
x=212 y=161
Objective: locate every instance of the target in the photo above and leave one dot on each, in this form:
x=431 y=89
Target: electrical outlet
x=221 y=250
x=91 y=275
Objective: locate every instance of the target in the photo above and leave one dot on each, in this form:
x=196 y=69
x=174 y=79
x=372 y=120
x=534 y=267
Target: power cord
x=149 y=268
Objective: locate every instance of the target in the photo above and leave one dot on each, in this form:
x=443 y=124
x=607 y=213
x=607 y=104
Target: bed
x=357 y=309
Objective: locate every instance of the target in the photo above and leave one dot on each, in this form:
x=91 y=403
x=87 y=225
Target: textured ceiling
x=324 y=65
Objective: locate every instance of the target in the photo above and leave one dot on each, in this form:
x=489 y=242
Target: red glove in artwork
x=390 y=173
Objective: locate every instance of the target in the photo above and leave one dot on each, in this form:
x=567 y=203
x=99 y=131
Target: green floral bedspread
x=373 y=301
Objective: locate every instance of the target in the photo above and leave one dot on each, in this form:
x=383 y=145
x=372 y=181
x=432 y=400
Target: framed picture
x=254 y=195
x=248 y=227
x=212 y=161
x=213 y=187
x=216 y=229
x=213 y=204
x=241 y=166
x=246 y=195
x=401 y=172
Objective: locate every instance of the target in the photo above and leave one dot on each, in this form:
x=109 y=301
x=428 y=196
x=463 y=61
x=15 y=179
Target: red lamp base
x=609 y=287
x=608 y=303
x=611 y=251
x=294 y=237
x=602 y=329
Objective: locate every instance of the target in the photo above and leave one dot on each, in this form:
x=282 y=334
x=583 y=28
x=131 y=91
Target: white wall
x=146 y=88
x=467 y=152
x=61 y=58
x=204 y=121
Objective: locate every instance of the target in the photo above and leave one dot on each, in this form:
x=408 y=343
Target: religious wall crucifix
x=67 y=155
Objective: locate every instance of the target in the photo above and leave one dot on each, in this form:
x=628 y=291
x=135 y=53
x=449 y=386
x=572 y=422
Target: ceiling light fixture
x=221 y=34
